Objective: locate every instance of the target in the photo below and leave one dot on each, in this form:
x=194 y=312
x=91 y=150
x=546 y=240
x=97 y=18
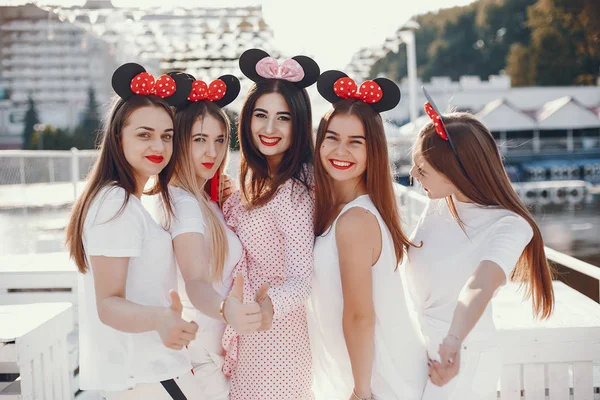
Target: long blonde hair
x=184 y=177
x=486 y=183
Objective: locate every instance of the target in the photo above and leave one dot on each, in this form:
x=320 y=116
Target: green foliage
x=234 y=117
x=537 y=42
x=85 y=134
x=31 y=119
x=51 y=138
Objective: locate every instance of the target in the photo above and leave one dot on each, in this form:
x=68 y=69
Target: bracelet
x=222 y=311
x=455 y=337
x=361 y=398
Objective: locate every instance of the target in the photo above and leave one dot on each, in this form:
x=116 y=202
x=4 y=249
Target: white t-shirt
x=109 y=359
x=437 y=272
x=189 y=219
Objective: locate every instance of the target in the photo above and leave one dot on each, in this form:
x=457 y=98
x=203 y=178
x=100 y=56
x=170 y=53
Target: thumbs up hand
x=244 y=318
x=266 y=307
x=173 y=330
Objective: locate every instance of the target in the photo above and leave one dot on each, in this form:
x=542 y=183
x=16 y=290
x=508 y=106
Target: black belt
x=174 y=391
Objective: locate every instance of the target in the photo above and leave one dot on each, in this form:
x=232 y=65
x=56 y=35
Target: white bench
x=43 y=278
x=553 y=359
x=33 y=338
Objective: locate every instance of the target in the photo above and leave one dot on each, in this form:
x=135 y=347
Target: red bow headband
x=381 y=94
x=440 y=129
x=144 y=84
x=132 y=79
x=369 y=92
x=213 y=92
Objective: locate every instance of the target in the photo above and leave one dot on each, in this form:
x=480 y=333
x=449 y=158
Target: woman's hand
x=266 y=307
x=244 y=318
x=227 y=188
x=442 y=372
x=173 y=330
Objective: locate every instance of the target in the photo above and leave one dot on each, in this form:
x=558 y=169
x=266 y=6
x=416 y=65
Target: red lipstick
x=341 y=165
x=155 y=159
x=270 y=141
x=208 y=165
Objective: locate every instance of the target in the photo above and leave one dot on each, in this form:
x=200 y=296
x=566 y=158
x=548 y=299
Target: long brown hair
x=184 y=176
x=112 y=169
x=377 y=177
x=488 y=184
x=257 y=183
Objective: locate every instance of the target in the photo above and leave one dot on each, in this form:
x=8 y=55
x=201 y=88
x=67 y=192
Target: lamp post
x=406 y=34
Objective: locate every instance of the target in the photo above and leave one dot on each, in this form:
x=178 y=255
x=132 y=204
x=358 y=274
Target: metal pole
x=411 y=55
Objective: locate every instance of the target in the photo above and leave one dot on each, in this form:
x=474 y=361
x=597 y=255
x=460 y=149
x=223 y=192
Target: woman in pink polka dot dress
x=273 y=216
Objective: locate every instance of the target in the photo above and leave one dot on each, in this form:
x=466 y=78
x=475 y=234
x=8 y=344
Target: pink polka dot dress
x=278 y=248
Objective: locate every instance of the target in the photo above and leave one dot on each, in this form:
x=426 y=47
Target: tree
x=233 y=116
x=518 y=65
x=86 y=132
x=565 y=41
x=51 y=138
x=537 y=42
x=31 y=119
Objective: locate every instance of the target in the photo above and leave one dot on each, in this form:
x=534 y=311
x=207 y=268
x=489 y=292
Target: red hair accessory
x=143 y=84
x=213 y=92
x=370 y=92
x=440 y=129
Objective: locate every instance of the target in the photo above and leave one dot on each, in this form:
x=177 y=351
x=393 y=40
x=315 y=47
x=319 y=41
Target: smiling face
x=271 y=126
x=343 y=152
x=208 y=145
x=147 y=141
x=436 y=185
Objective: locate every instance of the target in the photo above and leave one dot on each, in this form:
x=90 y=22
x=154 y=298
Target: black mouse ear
x=248 y=61
x=232 y=85
x=311 y=71
x=390 y=97
x=325 y=85
x=183 y=87
x=121 y=79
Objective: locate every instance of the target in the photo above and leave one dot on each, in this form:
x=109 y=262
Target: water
x=41 y=230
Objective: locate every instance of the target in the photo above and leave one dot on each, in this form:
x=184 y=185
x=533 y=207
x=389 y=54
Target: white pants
x=480 y=368
x=155 y=391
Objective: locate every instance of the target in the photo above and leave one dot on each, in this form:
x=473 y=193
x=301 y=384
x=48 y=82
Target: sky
x=329 y=30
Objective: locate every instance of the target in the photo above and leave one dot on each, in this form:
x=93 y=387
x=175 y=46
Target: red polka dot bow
x=437 y=121
x=144 y=84
x=370 y=92
x=213 y=92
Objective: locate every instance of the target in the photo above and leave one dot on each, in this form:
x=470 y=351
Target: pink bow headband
x=290 y=70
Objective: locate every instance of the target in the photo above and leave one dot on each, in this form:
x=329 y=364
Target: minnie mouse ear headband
x=440 y=127
x=132 y=79
x=257 y=65
x=381 y=94
x=221 y=91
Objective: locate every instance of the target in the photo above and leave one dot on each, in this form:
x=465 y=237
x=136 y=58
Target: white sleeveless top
x=399 y=363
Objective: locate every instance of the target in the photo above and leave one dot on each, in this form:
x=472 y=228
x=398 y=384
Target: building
x=56 y=54
x=53 y=61
x=543 y=132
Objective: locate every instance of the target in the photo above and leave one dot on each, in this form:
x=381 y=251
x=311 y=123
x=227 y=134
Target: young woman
x=272 y=215
x=206 y=250
x=132 y=336
x=365 y=344
x=476 y=235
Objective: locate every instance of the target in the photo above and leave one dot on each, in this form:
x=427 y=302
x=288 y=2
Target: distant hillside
x=536 y=42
